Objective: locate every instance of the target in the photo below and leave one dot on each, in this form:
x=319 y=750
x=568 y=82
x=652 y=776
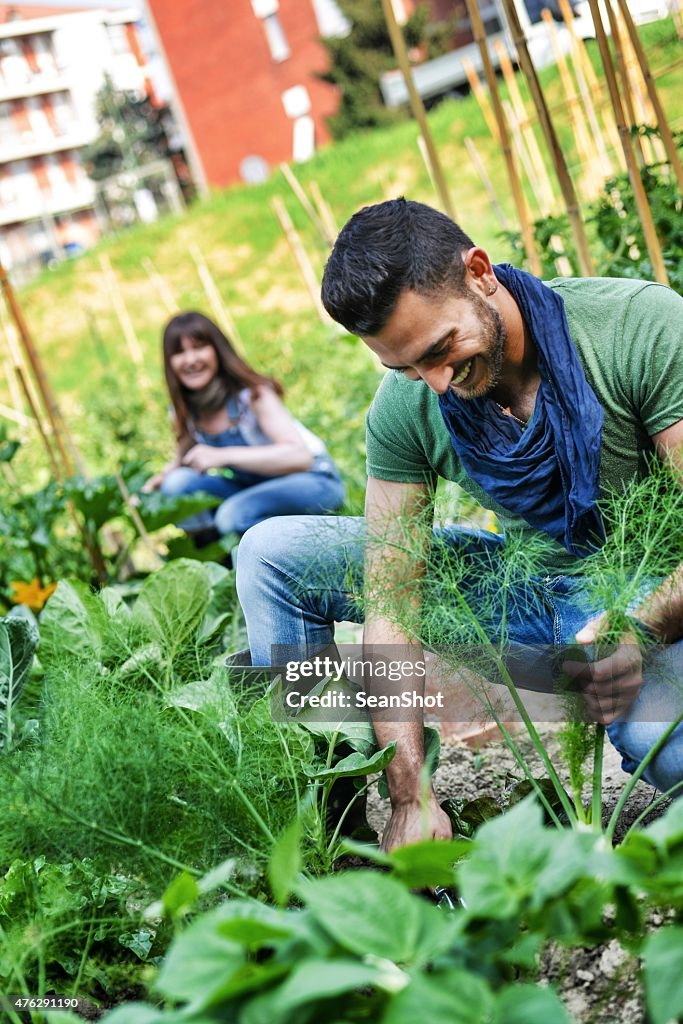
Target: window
x=267 y=12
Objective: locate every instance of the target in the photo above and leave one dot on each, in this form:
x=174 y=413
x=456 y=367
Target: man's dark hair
x=384 y=249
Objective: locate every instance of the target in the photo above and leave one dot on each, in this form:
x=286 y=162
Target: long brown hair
x=234 y=371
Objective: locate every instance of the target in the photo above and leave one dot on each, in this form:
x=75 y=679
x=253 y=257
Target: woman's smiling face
x=196 y=364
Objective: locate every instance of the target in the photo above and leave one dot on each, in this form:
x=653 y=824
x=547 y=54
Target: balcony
x=33 y=204
x=15 y=146
x=36 y=84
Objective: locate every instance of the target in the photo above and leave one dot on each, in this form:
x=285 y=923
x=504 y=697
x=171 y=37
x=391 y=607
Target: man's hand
x=411 y=823
x=610 y=685
x=202 y=457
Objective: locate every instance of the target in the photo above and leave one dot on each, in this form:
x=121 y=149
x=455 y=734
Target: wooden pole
x=219 y=309
x=422 y=146
x=540 y=174
x=626 y=94
x=588 y=88
x=129 y=502
x=588 y=154
x=481 y=97
x=57 y=471
x=324 y=209
x=161 y=285
x=662 y=123
x=417 y=106
x=644 y=212
x=49 y=400
x=525 y=160
x=301 y=256
x=563 y=176
x=504 y=137
x=122 y=314
x=307 y=205
x=486 y=182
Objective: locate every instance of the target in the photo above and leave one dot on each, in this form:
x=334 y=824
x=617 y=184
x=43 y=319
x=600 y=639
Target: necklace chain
x=508 y=412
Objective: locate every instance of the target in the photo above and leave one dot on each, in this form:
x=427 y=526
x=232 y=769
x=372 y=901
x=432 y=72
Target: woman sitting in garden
x=236 y=440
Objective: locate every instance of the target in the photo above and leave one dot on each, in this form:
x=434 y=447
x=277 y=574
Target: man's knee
x=634 y=740
x=267 y=545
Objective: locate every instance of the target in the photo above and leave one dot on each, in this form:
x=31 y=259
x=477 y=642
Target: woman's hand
x=202 y=457
x=153 y=484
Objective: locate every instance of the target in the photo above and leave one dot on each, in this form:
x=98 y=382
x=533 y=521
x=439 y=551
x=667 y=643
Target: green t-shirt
x=629 y=338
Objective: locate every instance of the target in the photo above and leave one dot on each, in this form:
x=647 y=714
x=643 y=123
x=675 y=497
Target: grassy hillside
x=329 y=378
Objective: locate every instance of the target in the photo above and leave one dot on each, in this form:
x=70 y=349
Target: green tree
x=360 y=58
x=132 y=132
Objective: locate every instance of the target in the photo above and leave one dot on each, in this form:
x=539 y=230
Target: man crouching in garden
x=539 y=400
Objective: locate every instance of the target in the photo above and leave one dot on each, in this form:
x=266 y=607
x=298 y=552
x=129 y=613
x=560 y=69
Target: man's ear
x=478 y=269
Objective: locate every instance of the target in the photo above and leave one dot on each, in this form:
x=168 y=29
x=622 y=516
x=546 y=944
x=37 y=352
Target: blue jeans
x=248 y=499
x=297 y=576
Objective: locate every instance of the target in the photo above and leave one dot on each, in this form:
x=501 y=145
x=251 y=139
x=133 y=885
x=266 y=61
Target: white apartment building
x=52 y=64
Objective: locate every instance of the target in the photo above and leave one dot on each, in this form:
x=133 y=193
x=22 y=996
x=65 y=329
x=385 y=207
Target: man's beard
x=494 y=336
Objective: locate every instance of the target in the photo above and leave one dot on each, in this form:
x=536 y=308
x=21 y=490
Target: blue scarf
x=548 y=472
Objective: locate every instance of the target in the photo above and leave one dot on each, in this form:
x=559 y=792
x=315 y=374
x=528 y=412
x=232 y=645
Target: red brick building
x=234 y=64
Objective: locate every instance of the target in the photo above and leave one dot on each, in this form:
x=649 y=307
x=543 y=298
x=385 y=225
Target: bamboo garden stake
x=481 y=97
x=644 y=212
x=588 y=154
x=540 y=174
x=301 y=256
x=504 y=137
x=563 y=177
x=524 y=160
x=486 y=182
x=220 y=311
x=589 y=88
x=48 y=398
x=662 y=123
x=324 y=209
x=422 y=146
x=306 y=203
x=161 y=285
x=417 y=106
x=122 y=314
x=626 y=93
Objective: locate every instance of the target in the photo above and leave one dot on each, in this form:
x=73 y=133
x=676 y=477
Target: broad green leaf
x=349 y=726
x=73 y=622
x=157 y=509
x=667 y=831
x=218 y=876
x=446 y=997
x=199 y=962
x=285 y=862
x=173 y=602
x=429 y=863
x=355 y=764
x=115 y=606
x=212 y=697
x=475 y=812
x=181 y=895
x=222 y=600
x=99 y=499
x=370 y=913
x=663 y=956
x=432 y=746
x=530 y=1004
x=507 y=854
x=18 y=642
x=132 y=1013
x=308 y=984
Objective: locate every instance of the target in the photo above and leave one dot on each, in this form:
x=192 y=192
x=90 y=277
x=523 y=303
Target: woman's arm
x=287 y=453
